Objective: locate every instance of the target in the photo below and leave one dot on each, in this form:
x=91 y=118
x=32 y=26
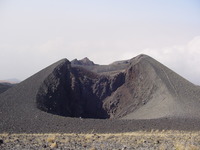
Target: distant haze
x=34 y=34
x=10 y=80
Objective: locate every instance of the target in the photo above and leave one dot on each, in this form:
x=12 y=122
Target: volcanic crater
x=75 y=90
x=128 y=95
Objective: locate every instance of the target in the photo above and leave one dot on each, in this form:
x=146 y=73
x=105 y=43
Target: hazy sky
x=34 y=34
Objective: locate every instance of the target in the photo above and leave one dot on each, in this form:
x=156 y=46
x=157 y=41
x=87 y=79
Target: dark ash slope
x=167 y=93
x=4 y=87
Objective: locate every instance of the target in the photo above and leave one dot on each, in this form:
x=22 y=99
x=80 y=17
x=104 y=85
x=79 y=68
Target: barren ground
x=161 y=140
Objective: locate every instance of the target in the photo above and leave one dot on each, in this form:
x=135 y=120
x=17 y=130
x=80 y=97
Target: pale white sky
x=34 y=34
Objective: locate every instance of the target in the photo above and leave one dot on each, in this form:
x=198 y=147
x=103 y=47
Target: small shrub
x=54 y=145
x=93 y=148
x=51 y=139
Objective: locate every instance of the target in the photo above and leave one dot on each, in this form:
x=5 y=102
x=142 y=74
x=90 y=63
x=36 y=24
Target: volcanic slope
x=160 y=92
x=4 y=87
x=140 y=88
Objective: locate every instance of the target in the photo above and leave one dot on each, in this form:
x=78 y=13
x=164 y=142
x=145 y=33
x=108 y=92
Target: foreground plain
x=155 y=139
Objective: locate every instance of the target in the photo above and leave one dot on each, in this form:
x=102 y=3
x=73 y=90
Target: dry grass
x=51 y=138
x=54 y=145
x=161 y=140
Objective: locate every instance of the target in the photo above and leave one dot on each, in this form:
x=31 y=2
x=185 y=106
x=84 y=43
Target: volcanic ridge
x=137 y=89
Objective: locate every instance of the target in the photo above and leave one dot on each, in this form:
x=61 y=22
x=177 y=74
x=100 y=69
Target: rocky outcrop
x=52 y=95
x=85 y=61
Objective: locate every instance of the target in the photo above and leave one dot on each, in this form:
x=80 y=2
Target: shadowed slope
x=4 y=87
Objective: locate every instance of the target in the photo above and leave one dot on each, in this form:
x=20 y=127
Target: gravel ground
x=161 y=140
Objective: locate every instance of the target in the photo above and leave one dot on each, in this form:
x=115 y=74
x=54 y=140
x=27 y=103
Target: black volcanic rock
x=75 y=62
x=85 y=61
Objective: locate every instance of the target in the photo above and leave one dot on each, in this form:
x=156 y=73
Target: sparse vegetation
x=51 y=139
x=161 y=140
x=54 y=145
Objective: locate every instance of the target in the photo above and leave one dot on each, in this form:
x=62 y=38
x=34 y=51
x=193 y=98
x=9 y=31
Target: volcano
x=137 y=89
